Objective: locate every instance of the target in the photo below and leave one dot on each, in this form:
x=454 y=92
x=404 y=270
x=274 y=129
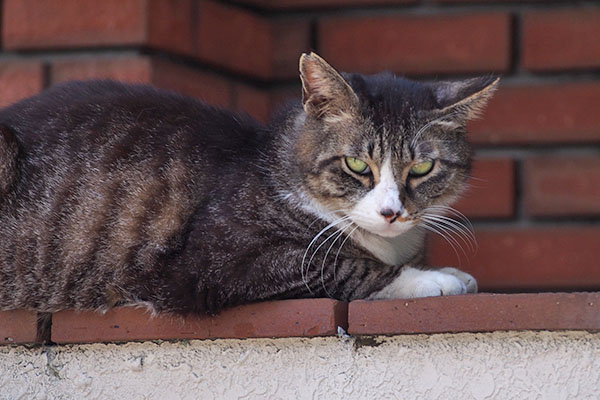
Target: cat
x=117 y=194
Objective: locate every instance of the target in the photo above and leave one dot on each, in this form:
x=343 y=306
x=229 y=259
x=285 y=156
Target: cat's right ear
x=324 y=90
x=465 y=98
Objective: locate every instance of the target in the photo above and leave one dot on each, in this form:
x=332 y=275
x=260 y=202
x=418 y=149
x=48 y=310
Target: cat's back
x=111 y=130
x=103 y=108
x=79 y=138
x=109 y=176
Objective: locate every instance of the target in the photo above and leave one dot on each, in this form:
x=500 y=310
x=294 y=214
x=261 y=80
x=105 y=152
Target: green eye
x=422 y=168
x=357 y=165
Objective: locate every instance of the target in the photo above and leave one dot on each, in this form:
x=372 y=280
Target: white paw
x=467 y=279
x=414 y=283
x=435 y=284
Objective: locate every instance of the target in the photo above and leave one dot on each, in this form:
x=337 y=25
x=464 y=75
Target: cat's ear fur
x=324 y=90
x=467 y=98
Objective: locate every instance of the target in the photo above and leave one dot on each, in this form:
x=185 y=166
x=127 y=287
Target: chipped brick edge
x=18 y=326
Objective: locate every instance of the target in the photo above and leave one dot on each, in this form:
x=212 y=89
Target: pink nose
x=389 y=215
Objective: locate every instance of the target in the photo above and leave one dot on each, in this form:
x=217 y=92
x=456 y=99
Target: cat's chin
x=388 y=234
x=391 y=230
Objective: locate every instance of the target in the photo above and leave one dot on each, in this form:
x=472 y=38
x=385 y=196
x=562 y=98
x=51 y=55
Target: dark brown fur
x=118 y=194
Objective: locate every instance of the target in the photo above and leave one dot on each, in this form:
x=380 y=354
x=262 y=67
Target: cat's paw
x=434 y=283
x=413 y=283
x=467 y=279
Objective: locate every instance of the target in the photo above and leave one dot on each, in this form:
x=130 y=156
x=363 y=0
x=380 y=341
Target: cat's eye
x=357 y=165
x=422 y=168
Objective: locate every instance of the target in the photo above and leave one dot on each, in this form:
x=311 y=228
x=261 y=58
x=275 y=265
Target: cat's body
x=118 y=194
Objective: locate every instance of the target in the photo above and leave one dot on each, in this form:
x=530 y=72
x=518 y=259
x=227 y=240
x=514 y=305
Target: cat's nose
x=389 y=214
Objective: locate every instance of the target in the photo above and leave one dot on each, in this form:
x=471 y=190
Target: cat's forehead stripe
x=371 y=147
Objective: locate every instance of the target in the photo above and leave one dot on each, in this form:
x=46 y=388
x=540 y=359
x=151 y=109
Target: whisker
x=437 y=140
x=316 y=250
x=455 y=212
x=425 y=225
x=338 y=252
x=339 y=233
x=466 y=229
x=320 y=218
x=334 y=223
x=470 y=185
x=460 y=229
x=427 y=125
x=446 y=232
x=432 y=140
x=451 y=231
x=478 y=179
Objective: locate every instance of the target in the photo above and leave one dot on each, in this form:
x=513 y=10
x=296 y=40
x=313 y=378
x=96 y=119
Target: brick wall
x=535 y=197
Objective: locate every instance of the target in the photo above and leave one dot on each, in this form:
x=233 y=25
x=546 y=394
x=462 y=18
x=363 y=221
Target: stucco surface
x=502 y=365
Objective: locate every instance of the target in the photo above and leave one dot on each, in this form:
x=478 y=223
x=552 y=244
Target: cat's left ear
x=324 y=91
x=465 y=98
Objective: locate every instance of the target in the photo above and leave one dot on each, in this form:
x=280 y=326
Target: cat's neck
x=284 y=172
x=396 y=250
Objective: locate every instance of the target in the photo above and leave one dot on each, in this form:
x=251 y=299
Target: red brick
x=254 y=101
x=261 y=103
x=289 y=39
x=126 y=69
x=18 y=326
x=491 y=191
x=561 y=39
x=19 y=79
x=311 y=317
x=562 y=186
x=300 y=4
x=417 y=44
x=243 y=42
x=554 y=258
x=171 y=25
x=559 y=113
x=64 y=23
x=476 y=313
x=31 y=24
x=207 y=86
x=249 y=43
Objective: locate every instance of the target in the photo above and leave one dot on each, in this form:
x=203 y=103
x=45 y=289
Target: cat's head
x=382 y=149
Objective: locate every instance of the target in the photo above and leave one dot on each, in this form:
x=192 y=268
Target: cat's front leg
x=414 y=282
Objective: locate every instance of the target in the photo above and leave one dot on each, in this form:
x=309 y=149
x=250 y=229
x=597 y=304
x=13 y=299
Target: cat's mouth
x=399 y=218
x=386 y=228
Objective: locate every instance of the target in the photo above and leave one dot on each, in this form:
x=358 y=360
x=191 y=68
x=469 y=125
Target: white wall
x=540 y=365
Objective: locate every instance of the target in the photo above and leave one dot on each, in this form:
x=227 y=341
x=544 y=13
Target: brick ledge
x=483 y=312
x=287 y=318
x=18 y=326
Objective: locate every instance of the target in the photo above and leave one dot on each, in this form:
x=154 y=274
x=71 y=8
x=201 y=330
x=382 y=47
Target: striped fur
x=114 y=194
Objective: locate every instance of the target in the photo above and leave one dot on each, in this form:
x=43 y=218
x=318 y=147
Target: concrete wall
x=501 y=365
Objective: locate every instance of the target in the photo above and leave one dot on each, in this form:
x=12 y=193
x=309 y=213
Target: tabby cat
x=115 y=194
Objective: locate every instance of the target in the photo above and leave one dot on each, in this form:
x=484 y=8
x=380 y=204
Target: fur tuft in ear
x=324 y=90
x=466 y=98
